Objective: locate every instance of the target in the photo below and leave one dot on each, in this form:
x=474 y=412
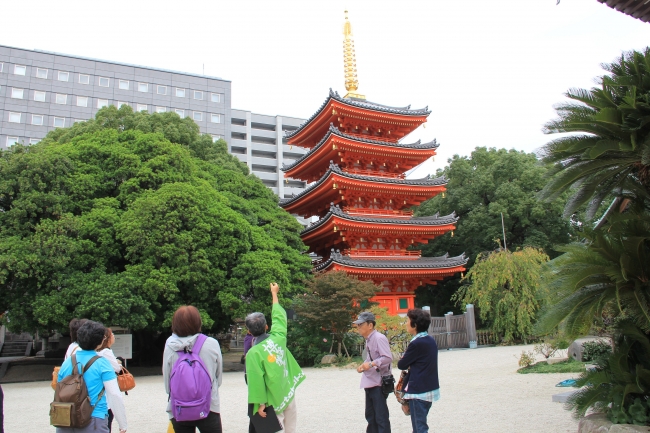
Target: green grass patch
x=570 y=366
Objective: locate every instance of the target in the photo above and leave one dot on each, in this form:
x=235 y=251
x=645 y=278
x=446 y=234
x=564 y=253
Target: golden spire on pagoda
x=350 y=62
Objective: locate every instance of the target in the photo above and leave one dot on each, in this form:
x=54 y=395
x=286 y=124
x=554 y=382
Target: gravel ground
x=480 y=392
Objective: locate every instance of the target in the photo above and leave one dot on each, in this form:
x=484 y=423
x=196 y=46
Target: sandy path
x=480 y=392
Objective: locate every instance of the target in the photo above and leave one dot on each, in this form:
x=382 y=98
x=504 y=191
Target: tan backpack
x=71 y=406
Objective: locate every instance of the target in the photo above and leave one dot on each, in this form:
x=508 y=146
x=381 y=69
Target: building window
x=59 y=122
x=198 y=116
x=17 y=93
x=82 y=101
x=34 y=140
x=180 y=112
x=215 y=118
x=63 y=76
x=160 y=109
x=84 y=79
x=141 y=107
x=143 y=87
x=180 y=93
x=14 y=117
x=216 y=97
x=162 y=90
x=11 y=141
x=37 y=119
x=39 y=96
x=78 y=120
x=403 y=304
x=104 y=82
x=198 y=94
x=101 y=103
x=41 y=73
x=61 y=99
x=120 y=103
x=20 y=70
x=216 y=138
x=124 y=85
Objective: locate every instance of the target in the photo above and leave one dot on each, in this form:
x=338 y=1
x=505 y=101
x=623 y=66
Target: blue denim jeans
x=377 y=411
x=419 y=411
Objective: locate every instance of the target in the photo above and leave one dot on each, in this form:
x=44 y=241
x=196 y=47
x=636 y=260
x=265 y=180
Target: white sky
x=490 y=70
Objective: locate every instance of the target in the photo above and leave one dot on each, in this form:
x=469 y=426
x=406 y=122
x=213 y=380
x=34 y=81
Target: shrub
x=307 y=345
x=526 y=359
x=595 y=350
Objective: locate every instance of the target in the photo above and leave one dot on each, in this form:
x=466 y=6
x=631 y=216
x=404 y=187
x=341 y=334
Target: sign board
x=123 y=346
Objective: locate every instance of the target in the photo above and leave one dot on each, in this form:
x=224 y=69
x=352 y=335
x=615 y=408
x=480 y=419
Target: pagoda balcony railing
x=372 y=137
x=383 y=254
x=378 y=212
x=377 y=173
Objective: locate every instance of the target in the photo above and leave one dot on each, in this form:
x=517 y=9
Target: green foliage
x=608 y=150
x=333 y=301
x=608 y=272
x=620 y=384
x=504 y=286
x=393 y=327
x=543 y=367
x=526 y=359
x=595 y=350
x=480 y=187
x=125 y=217
x=306 y=344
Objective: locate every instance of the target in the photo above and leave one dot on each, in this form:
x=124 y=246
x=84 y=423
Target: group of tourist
x=192 y=373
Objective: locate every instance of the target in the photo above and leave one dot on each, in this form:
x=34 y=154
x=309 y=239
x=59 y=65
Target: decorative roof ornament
x=350 y=62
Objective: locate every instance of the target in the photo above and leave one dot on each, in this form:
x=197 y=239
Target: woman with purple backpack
x=192 y=372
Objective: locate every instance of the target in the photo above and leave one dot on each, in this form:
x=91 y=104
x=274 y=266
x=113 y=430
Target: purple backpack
x=190 y=386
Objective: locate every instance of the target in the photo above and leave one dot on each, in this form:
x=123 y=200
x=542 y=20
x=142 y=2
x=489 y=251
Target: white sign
x=123 y=346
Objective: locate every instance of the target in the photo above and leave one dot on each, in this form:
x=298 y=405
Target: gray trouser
x=97 y=425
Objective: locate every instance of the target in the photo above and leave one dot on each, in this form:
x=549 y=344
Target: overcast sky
x=489 y=70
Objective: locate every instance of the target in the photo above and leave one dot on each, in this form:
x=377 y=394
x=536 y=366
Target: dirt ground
x=480 y=392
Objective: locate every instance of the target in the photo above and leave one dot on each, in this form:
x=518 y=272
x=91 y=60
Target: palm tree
x=608 y=271
x=608 y=148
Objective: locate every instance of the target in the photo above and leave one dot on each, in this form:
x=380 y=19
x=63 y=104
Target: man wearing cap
x=378 y=363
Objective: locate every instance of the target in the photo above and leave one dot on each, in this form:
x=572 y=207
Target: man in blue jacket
x=421 y=357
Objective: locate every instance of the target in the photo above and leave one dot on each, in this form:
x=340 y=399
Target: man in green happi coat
x=273 y=373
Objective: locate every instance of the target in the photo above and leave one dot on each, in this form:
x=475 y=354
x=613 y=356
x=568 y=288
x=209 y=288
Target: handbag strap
x=371 y=360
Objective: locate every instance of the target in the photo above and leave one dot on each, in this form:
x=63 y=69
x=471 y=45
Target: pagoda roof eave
x=432 y=220
x=403 y=111
x=441 y=263
x=335 y=169
x=418 y=145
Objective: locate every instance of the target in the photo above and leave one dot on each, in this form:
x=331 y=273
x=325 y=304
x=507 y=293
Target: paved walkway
x=481 y=392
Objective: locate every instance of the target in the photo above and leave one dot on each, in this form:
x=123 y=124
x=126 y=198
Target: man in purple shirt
x=378 y=363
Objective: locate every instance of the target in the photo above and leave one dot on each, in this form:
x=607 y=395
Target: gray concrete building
x=40 y=91
x=258 y=140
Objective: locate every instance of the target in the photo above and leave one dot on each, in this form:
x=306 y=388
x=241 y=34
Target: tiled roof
x=639 y=9
x=361 y=104
x=421 y=263
x=334 y=130
x=333 y=168
x=433 y=220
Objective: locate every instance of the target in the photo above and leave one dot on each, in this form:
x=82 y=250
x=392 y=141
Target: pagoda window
x=403 y=304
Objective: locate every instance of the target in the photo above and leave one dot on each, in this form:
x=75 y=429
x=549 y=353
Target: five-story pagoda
x=356 y=163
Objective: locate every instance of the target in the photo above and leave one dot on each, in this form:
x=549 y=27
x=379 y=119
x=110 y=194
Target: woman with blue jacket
x=421 y=358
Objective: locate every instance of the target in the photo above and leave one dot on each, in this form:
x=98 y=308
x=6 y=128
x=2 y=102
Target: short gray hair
x=256 y=324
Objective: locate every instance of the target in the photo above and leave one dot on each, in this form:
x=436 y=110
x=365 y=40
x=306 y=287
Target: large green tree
x=127 y=216
x=480 y=187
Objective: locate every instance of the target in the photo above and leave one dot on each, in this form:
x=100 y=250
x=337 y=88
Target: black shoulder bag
x=387 y=382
